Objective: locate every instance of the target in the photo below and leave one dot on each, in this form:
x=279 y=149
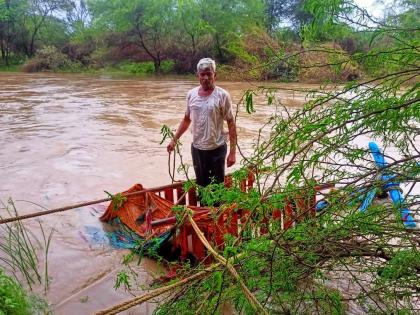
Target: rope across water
x=78 y=205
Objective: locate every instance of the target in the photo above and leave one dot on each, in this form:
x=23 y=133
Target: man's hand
x=231 y=159
x=171 y=146
x=183 y=126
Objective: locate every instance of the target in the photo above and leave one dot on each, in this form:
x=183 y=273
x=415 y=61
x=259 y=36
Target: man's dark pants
x=209 y=165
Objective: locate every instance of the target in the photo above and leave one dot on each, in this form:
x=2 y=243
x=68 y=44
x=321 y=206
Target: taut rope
x=83 y=204
x=156 y=292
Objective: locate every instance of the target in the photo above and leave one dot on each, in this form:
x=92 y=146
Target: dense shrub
x=147 y=67
x=281 y=70
x=167 y=66
x=327 y=63
x=227 y=72
x=13 y=300
x=48 y=58
x=138 y=67
x=99 y=58
x=79 y=53
x=13 y=61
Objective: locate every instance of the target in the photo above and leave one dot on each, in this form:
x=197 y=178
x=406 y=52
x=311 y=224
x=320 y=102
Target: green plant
x=13 y=300
x=19 y=250
x=122 y=279
x=147 y=67
x=117 y=200
x=47 y=58
x=138 y=67
x=167 y=66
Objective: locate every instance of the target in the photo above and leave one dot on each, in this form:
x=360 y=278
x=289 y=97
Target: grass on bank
x=13 y=299
x=10 y=68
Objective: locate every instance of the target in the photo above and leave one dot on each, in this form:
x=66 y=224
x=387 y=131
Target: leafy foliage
x=122 y=279
x=166 y=66
x=117 y=200
x=48 y=59
x=13 y=300
x=263 y=39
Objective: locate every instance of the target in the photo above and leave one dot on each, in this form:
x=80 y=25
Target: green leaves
x=166 y=133
x=218 y=281
x=117 y=200
x=13 y=300
x=122 y=279
x=404 y=266
x=249 y=104
x=326 y=24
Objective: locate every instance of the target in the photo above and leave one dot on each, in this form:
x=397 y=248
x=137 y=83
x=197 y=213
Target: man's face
x=207 y=79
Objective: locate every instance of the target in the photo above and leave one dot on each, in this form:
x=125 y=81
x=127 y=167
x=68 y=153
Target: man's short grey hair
x=206 y=63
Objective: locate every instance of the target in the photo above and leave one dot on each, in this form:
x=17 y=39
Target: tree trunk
x=32 y=43
x=7 y=56
x=157 y=63
x=219 y=49
x=3 y=52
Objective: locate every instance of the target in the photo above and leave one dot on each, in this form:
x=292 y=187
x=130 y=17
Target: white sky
x=374 y=7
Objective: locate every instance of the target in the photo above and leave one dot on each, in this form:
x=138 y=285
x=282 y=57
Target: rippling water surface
x=67 y=138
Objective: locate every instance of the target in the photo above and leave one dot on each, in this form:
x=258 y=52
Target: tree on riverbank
x=22 y=25
x=138 y=36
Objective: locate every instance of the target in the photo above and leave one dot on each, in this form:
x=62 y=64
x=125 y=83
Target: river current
x=65 y=138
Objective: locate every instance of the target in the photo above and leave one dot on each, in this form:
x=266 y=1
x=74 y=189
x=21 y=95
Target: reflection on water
x=67 y=138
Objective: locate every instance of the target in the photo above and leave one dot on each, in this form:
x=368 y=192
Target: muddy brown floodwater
x=66 y=138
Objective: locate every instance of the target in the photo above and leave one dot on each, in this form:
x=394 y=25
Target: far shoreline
x=118 y=74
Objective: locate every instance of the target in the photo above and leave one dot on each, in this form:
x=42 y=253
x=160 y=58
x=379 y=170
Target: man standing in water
x=207 y=107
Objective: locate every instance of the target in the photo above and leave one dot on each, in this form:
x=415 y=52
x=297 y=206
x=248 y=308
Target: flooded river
x=66 y=138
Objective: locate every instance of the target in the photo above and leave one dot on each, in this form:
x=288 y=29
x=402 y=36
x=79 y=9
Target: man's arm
x=183 y=126
x=231 y=159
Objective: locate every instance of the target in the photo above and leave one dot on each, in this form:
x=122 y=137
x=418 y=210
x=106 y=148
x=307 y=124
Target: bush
x=138 y=67
x=14 y=62
x=226 y=72
x=147 y=67
x=13 y=299
x=328 y=63
x=167 y=66
x=281 y=71
x=47 y=58
x=99 y=58
x=287 y=35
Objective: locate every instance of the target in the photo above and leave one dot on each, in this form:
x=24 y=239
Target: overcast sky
x=374 y=7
